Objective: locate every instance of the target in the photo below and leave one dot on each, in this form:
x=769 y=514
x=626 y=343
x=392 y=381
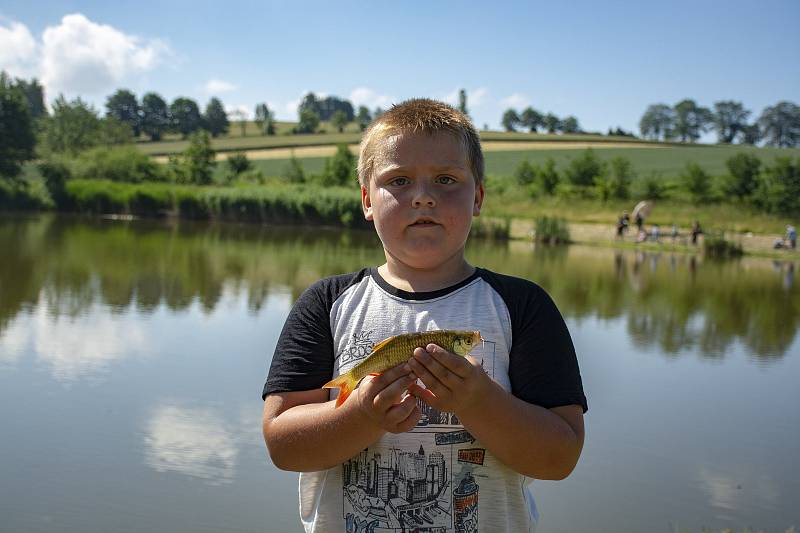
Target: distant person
x=654 y=232
x=622 y=226
x=639 y=222
x=515 y=408
x=674 y=232
x=791 y=236
x=696 y=231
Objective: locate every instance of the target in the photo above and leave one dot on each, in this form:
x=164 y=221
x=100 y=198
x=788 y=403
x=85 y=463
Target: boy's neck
x=410 y=279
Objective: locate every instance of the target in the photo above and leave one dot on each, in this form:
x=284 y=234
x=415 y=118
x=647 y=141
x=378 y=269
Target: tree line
x=771 y=188
x=686 y=121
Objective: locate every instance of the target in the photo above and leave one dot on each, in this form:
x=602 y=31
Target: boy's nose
x=423 y=198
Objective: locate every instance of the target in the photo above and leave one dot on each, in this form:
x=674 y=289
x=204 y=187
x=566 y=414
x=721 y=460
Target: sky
x=603 y=62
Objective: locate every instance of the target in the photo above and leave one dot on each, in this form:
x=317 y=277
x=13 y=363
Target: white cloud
x=18 y=50
x=477 y=97
x=191 y=441
x=79 y=56
x=214 y=87
x=238 y=111
x=516 y=100
x=369 y=98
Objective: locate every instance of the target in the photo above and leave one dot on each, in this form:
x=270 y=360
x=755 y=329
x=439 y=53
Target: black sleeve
x=543 y=367
x=303 y=358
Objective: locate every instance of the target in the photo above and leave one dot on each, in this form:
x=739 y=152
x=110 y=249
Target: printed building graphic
x=405 y=491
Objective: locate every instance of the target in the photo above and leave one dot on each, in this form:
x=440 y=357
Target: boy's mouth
x=424 y=221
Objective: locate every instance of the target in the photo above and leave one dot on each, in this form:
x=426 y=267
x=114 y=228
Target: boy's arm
x=305 y=432
x=534 y=441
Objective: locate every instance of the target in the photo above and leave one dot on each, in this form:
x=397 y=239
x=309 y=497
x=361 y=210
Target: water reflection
x=671 y=301
x=72 y=347
x=191 y=441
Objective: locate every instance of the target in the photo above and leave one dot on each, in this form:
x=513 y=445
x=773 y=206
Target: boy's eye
x=400 y=180
x=446 y=179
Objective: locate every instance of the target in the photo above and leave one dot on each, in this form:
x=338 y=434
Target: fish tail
x=345 y=383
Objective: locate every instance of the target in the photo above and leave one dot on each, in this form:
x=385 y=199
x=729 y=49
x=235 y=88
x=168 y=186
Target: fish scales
x=399 y=349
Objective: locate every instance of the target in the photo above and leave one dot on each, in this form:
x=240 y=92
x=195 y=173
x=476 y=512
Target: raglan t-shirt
x=435 y=477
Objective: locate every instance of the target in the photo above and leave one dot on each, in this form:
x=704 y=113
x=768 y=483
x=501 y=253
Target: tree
x=123 y=106
x=658 y=122
x=326 y=107
x=155 y=116
x=751 y=134
x=779 y=188
x=363 y=118
x=462 y=101
x=780 y=124
x=341 y=169
x=743 y=175
x=185 y=116
x=339 y=120
x=696 y=181
x=73 y=127
x=198 y=159
x=510 y=120
x=584 y=169
x=309 y=121
x=548 y=176
x=215 y=118
x=620 y=178
x=115 y=132
x=570 y=125
x=34 y=96
x=378 y=112
x=691 y=120
x=531 y=119
x=238 y=115
x=729 y=120
x=265 y=119
x=525 y=173
x=551 y=123
x=17 y=139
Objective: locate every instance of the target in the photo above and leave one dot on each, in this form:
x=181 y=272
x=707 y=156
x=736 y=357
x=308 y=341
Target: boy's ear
x=366 y=203
x=479 y=192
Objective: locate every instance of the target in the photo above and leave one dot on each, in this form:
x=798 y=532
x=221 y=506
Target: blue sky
x=603 y=62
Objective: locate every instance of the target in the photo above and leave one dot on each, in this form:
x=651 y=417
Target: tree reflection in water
x=676 y=302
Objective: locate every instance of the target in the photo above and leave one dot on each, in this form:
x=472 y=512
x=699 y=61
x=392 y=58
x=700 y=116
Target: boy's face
x=422 y=197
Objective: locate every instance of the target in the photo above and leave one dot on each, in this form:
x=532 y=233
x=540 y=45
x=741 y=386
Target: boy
x=442 y=442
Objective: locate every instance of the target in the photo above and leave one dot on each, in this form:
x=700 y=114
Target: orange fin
x=345 y=383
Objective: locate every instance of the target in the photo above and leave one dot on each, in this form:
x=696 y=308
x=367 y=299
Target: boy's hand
x=453 y=383
x=380 y=399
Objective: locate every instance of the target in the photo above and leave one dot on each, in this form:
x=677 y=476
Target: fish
x=399 y=349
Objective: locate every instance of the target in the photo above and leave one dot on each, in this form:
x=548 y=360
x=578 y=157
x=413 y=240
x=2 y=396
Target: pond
x=133 y=353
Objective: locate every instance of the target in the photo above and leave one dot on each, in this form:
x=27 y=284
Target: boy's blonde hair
x=420 y=115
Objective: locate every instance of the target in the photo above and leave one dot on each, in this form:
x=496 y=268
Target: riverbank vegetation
x=72 y=159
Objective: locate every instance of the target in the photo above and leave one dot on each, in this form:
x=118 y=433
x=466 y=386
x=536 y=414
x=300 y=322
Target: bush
x=652 y=187
x=525 y=173
x=198 y=159
x=117 y=164
x=552 y=230
x=294 y=172
x=743 y=175
x=696 y=181
x=715 y=245
x=339 y=170
x=548 y=177
x=779 y=189
x=238 y=163
x=56 y=174
x=491 y=228
x=585 y=169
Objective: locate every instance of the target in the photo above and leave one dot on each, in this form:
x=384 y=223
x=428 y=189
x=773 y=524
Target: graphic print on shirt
x=428 y=480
